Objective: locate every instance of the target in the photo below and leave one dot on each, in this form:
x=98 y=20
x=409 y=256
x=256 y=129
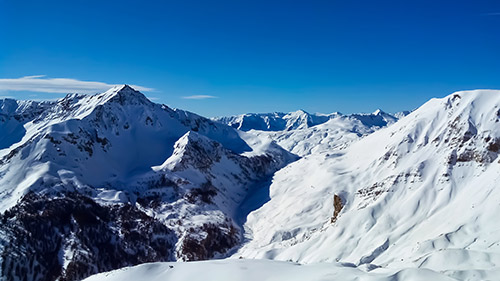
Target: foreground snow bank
x=242 y=270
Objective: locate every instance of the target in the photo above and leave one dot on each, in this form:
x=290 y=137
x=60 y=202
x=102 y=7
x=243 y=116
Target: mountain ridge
x=300 y=119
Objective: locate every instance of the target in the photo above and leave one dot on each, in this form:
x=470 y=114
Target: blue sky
x=253 y=56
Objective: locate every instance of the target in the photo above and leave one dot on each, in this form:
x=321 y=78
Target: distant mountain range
x=301 y=120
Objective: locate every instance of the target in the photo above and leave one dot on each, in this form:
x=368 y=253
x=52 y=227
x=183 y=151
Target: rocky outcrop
x=209 y=240
x=337 y=207
x=72 y=237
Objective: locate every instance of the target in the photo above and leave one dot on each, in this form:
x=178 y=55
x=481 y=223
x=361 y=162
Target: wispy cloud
x=491 y=14
x=34 y=76
x=39 y=83
x=199 y=97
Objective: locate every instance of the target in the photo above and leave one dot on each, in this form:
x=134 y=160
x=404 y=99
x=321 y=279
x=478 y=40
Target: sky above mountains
x=229 y=57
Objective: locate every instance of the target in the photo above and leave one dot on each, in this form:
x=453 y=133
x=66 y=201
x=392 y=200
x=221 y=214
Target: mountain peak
x=8 y=106
x=121 y=89
x=125 y=89
x=124 y=94
x=299 y=112
x=193 y=149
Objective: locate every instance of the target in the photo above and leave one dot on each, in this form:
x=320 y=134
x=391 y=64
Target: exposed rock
x=72 y=237
x=337 y=207
x=208 y=240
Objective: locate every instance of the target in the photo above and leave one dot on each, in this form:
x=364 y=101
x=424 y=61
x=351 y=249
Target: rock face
x=71 y=237
x=93 y=183
x=208 y=240
x=337 y=207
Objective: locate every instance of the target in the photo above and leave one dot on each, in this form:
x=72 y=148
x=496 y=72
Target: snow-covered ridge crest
x=460 y=123
x=85 y=104
x=301 y=119
x=276 y=121
x=72 y=105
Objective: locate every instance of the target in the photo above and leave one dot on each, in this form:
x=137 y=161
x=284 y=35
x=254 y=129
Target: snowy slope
x=250 y=270
x=419 y=193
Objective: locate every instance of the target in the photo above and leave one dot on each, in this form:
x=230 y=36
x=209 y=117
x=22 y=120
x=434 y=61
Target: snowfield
x=265 y=270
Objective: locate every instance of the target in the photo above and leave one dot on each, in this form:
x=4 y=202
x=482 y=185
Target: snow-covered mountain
x=421 y=193
x=141 y=180
x=87 y=137
x=301 y=120
x=416 y=200
x=94 y=183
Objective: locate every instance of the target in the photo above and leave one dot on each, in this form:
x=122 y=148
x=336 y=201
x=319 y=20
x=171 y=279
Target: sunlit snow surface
x=262 y=270
x=420 y=197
